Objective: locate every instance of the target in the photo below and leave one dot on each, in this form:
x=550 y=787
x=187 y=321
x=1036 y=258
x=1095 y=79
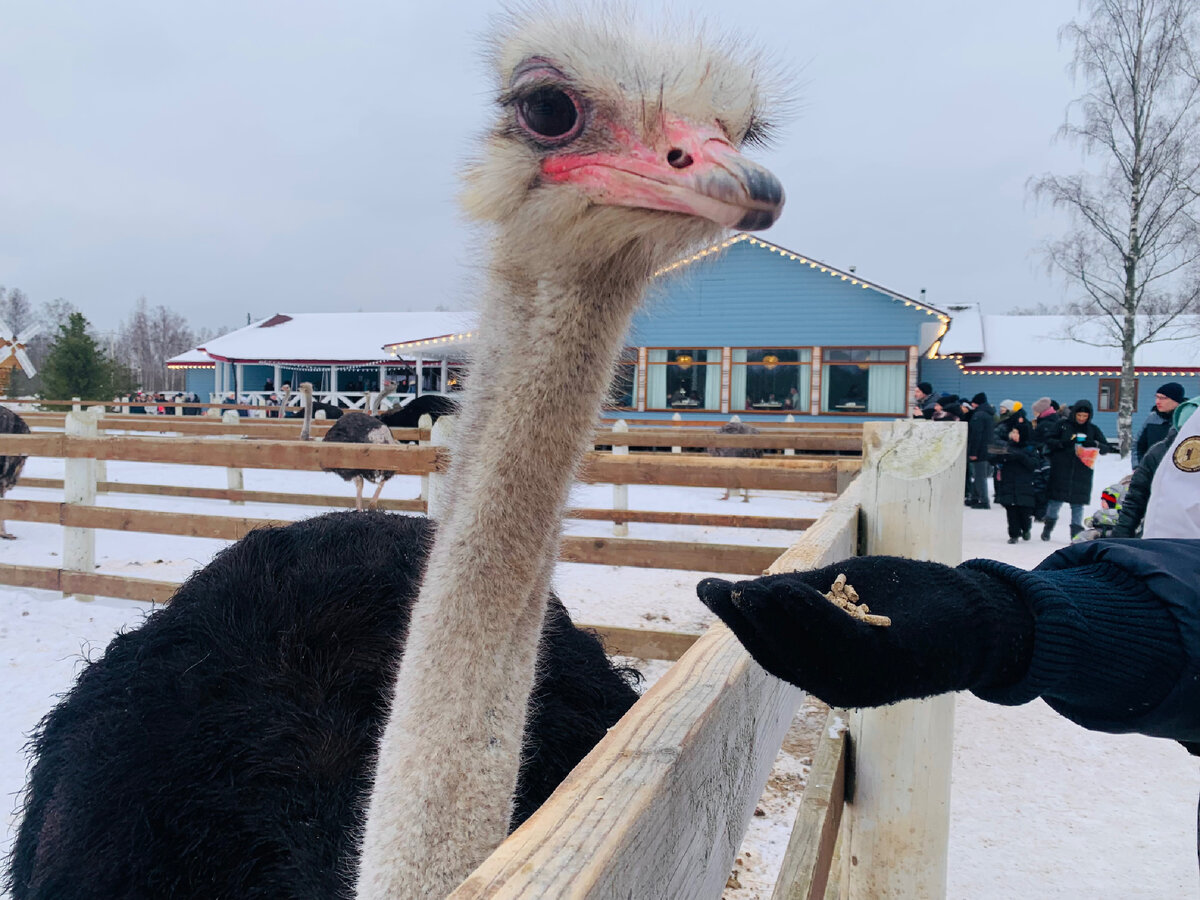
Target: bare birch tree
x=148 y=339
x=1134 y=253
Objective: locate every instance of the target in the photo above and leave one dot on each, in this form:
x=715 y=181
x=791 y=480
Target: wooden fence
x=659 y=807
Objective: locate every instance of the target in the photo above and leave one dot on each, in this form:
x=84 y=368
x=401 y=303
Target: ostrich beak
x=689 y=169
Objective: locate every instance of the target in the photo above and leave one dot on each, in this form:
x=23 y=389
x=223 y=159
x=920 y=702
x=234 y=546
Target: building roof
x=1048 y=344
x=327 y=338
x=192 y=359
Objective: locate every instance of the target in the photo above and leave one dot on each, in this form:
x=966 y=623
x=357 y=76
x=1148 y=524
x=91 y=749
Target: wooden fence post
x=620 y=491
x=236 y=478
x=678 y=419
x=441 y=435
x=79 y=486
x=791 y=451
x=76 y=405
x=899 y=815
x=425 y=422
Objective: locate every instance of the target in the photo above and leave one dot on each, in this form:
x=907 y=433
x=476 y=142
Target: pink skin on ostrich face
x=694 y=170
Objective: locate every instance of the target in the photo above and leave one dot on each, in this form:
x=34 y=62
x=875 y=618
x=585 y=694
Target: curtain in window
x=712 y=384
x=825 y=388
x=804 y=386
x=885 y=389
x=656 y=380
x=737 y=381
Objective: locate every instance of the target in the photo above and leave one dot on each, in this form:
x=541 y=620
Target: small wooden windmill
x=12 y=354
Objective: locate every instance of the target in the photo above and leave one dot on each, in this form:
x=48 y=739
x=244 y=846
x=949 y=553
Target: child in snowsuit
x=1101 y=523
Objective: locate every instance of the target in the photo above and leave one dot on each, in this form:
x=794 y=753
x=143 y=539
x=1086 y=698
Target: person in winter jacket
x=979 y=434
x=946 y=408
x=923 y=401
x=1014 y=478
x=1070 y=472
x=1137 y=498
x=1107 y=632
x=1101 y=523
x=1158 y=423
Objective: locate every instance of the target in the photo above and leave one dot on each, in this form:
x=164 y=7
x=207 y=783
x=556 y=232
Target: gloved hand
x=951 y=629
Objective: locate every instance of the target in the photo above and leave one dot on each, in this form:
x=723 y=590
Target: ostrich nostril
x=679 y=159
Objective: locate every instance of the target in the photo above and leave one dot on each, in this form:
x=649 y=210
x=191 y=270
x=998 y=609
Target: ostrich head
x=611 y=145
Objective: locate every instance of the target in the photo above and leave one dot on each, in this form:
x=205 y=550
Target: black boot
x=1075 y=529
x=1047 y=527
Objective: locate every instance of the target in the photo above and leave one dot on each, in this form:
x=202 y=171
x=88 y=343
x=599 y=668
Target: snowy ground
x=1041 y=808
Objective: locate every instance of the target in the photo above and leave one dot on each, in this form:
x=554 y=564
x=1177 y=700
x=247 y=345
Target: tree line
x=74 y=360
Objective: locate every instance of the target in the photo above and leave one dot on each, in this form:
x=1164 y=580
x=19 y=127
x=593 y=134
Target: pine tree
x=76 y=366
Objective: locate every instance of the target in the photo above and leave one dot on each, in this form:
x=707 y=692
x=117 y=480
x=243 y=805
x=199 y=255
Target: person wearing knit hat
x=1040 y=405
x=923 y=395
x=1158 y=423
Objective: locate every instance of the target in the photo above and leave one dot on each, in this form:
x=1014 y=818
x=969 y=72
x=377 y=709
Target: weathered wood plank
x=109 y=518
x=87 y=583
x=643 y=643
x=804 y=873
x=683 y=555
x=709 y=520
x=779 y=473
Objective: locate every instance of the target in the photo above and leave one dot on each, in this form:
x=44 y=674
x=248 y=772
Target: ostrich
x=409 y=415
x=736 y=426
x=354 y=428
x=612 y=154
x=10 y=466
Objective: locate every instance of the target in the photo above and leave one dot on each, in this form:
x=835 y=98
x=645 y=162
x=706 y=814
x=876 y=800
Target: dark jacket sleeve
x=1098 y=436
x=1133 y=505
x=1055 y=439
x=1142 y=444
x=1116 y=643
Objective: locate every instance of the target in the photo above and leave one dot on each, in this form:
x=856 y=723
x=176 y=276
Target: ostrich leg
x=375 y=497
x=358 y=489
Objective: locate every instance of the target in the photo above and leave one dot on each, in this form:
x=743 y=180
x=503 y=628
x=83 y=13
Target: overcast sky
x=226 y=159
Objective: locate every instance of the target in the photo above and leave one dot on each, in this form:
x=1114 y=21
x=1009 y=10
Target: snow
x=1040 y=807
x=1030 y=341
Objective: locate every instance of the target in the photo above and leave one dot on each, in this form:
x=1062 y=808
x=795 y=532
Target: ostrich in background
x=736 y=426
x=10 y=466
x=409 y=415
x=354 y=428
x=612 y=154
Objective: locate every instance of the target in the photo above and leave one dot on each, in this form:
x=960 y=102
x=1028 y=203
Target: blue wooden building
x=1026 y=357
x=749 y=328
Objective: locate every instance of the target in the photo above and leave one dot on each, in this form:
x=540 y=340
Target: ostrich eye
x=548 y=113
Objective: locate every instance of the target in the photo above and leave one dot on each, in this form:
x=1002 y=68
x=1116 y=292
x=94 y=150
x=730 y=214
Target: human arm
x=1089 y=631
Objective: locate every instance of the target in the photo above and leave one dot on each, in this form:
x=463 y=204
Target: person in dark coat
x=946 y=408
x=924 y=400
x=1015 y=477
x=1070 y=476
x=1158 y=423
x=979 y=435
x=1136 y=499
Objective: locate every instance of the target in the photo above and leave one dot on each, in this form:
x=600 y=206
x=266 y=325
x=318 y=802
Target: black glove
x=951 y=629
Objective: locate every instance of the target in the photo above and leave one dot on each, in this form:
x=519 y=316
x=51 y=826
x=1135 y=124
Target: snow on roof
x=1050 y=343
x=332 y=337
x=191 y=359
x=966 y=330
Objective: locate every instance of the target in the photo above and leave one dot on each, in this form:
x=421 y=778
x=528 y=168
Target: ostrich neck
x=449 y=758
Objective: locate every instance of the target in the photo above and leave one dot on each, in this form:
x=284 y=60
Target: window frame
x=1116 y=383
x=712 y=404
x=806 y=410
x=825 y=361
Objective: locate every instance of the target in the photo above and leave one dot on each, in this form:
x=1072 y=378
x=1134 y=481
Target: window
x=679 y=379
x=775 y=379
x=1110 y=395
x=622 y=390
x=860 y=380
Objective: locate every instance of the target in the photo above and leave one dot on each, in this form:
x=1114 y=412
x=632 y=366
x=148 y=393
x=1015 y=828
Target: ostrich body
x=612 y=155
x=624 y=156
x=354 y=428
x=224 y=748
x=10 y=466
x=409 y=415
x=736 y=426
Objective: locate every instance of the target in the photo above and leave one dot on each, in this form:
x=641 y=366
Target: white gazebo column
x=278 y=376
x=218 y=377
x=443 y=384
x=420 y=369
x=239 y=380
x=333 y=384
x=382 y=376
